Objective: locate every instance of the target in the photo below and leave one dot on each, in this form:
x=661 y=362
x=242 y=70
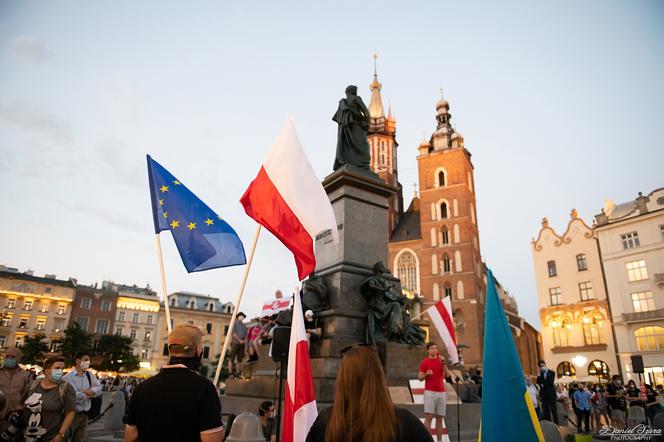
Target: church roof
x=408 y=228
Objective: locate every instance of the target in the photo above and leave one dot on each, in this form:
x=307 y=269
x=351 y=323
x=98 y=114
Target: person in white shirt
x=534 y=393
x=86 y=386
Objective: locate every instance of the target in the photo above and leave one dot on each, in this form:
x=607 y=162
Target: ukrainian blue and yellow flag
x=507 y=411
x=205 y=241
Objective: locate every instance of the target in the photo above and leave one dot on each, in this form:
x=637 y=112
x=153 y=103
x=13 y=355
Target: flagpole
x=169 y=326
x=237 y=306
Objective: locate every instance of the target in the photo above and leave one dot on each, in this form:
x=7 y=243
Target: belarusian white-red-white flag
x=441 y=316
x=287 y=198
x=300 y=403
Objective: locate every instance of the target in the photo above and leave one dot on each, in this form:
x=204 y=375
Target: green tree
x=76 y=339
x=34 y=348
x=117 y=353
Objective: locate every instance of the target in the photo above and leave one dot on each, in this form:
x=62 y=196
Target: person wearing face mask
x=545 y=380
x=50 y=405
x=86 y=386
x=177 y=404
x=14 y=382
x=266 y=415
x=615 y=397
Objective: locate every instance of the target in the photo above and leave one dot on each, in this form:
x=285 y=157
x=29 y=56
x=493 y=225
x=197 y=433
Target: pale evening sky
x=559 y=104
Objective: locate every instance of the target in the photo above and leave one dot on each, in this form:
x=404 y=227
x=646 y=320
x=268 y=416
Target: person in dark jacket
x=545 y=380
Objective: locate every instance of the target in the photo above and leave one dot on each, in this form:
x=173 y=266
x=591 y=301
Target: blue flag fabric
x=205 y=241
x=507 y=411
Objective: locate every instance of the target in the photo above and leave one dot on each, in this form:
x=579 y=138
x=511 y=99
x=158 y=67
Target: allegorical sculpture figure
x=353 y=119
x=387 y=316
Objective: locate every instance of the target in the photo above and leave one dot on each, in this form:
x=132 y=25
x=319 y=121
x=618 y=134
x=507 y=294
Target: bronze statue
x=388 y=318
x=353 y=119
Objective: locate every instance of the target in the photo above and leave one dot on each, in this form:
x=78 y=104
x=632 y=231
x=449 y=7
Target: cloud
x=112 y=153
x=22 y=114
x=30 y=49
x=113 y=217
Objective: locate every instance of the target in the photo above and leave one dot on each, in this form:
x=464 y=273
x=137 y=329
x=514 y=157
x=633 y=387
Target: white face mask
x=85 y=365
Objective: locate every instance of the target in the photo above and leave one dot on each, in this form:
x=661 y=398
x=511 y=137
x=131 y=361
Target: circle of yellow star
x=191 y=226
x=175 y=224
x=165 y=214
x=209 y=222
x=163 y=189
x=161 y=202
x=176 y=182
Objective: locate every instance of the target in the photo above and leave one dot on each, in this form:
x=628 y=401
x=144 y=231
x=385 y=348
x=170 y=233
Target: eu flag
x=507 y=411
x=205 y=241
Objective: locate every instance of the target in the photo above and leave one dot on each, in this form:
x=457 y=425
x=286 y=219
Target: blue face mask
x=10 y=363
x=57 y=374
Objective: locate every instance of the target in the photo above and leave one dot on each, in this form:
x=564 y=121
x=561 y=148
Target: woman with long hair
x=362 y=409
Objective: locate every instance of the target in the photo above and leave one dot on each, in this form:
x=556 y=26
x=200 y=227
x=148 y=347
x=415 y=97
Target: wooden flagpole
x=163 y=285
x=237 y=306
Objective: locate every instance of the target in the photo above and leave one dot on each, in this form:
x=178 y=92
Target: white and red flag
x=275 y=306
x=300 y=403
x=441 y=316
x=287 y=198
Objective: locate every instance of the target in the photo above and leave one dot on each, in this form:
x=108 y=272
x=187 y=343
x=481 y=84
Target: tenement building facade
x=631 y=243
x=576 y=323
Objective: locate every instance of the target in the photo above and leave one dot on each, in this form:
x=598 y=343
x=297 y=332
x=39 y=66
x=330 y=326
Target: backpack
x=95 y=402
x=62 y=389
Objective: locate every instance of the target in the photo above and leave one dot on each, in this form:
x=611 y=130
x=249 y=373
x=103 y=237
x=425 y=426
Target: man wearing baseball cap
x=14 y=382
x=176 y=404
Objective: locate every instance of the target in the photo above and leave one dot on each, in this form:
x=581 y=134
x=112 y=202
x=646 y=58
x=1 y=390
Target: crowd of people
x=591 y=405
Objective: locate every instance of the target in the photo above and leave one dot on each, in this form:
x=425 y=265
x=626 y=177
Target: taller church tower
x=435 y=249
x=383 y=144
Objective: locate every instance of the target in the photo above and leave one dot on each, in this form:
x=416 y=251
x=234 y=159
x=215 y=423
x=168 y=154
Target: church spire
x=444 y=130
x=376 y=104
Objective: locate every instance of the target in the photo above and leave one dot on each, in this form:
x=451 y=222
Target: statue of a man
x=353 y=119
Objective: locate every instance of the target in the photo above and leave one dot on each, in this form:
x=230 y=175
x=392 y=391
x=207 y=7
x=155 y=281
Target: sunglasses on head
x=346 y=349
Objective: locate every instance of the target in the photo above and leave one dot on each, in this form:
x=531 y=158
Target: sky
x=559 y=104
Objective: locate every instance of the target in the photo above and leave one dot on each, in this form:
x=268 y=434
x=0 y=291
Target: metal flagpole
x=237 y=306
x=163 y=284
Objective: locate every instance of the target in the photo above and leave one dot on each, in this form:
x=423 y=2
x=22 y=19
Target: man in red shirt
x=432 y=372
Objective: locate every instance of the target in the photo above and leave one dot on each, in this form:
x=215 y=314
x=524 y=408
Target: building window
x=148 y=336
x=6 y=321
x=565 y=369
x=443 y=210
x=643 y=302
x=61 y=309
x=82 y=321
x=598 y=368
x=41 y=324
x=48 y=290
x=86 y=303
x=135 y=317
x=58 y=325
x=556 y=296
x=211 y=307
x=551 y=265
x=45 y=307
x=144 y=355
x=11 y=303
x=191 y=304
x=132 y=334
x=448 y=290
x=105 y=305
x=661 y=231
x=407 y=271
x=561 y=334
x=3 y=341
x=121 y=316
x=208 y=328
x=172 y=302
x=586 y=291
x=441 y=179
x=18 y=342
x=446 y=236
x=446 y=263
x=102 y=326
x=225 y=330
x=630 y=240
x=164 y=351
x=206 y=352
x=27 y=304
x=650 y=338
x=636 y=270
x=149 y=320
x=23 y=322
x=118 y=331
x=592 y=331
x=581 y=262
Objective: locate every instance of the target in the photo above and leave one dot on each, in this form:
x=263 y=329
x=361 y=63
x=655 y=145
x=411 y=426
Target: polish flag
x=300 y=403
x=441 y=316
x=287 y=198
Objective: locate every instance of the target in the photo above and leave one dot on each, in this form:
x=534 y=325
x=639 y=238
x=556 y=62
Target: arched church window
x=448 y=289
x=441 y=179
x=446 y=263
x=407 y=271
x=565 y=369
x=443 y=210
x=446 y=235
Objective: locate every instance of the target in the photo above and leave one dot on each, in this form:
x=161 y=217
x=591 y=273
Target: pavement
x=96 y=431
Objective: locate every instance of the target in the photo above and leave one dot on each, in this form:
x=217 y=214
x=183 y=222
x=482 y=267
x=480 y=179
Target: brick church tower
x=435 y=248
x=383 y=144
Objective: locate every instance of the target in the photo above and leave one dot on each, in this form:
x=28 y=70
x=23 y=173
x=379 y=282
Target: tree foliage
x=34 y=348
x=117 y=353
x=75 y=340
